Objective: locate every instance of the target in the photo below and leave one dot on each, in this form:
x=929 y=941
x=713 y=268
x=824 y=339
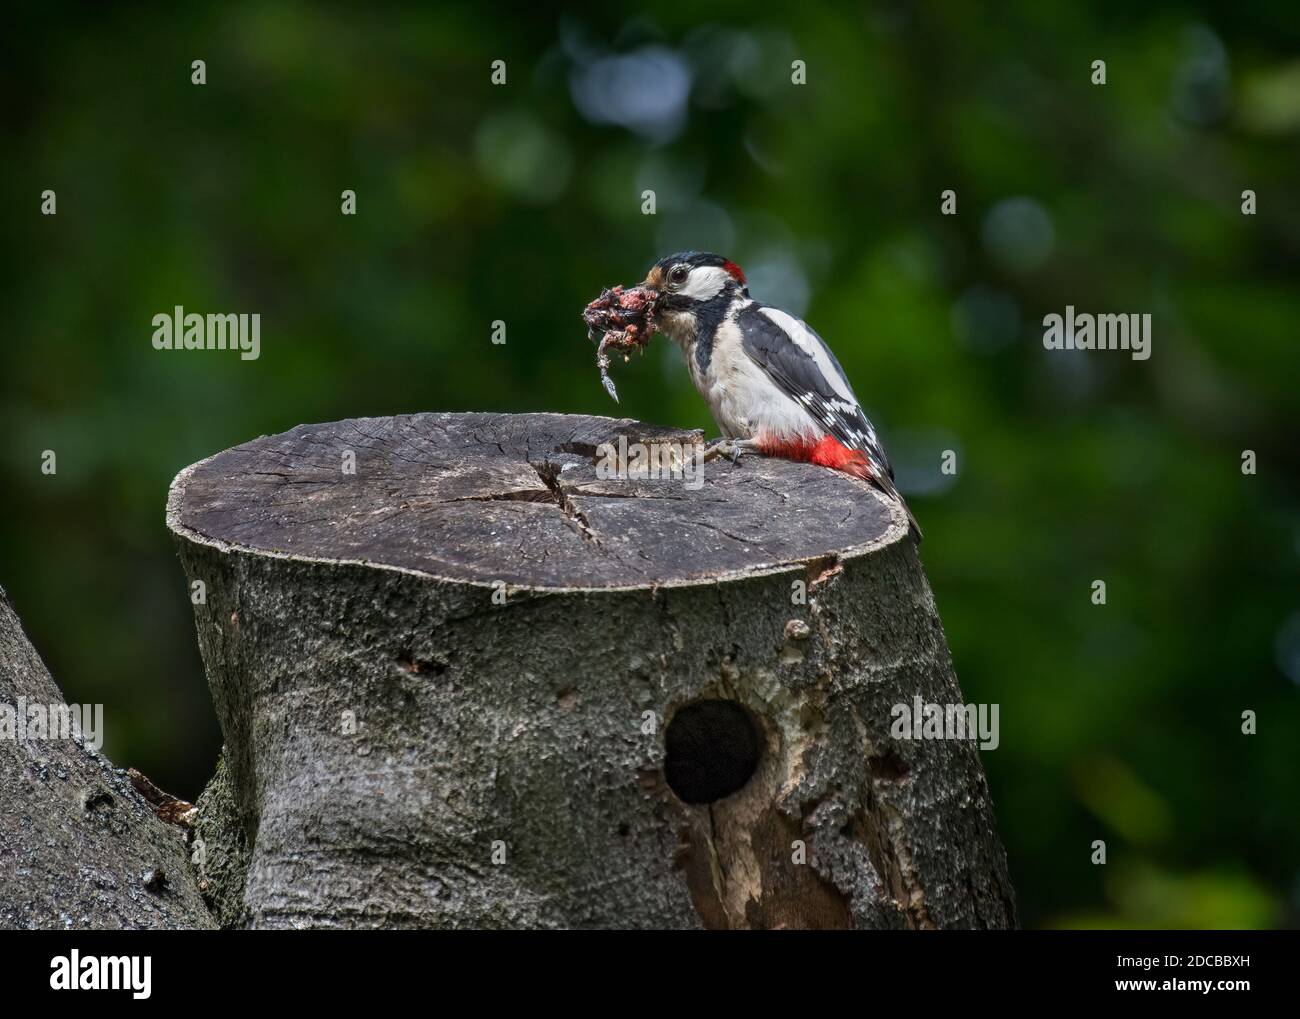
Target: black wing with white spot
x=802 y=366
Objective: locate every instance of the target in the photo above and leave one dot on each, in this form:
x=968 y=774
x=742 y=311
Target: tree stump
x=475 y=683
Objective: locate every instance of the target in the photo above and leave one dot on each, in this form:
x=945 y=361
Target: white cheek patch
x=705 y=282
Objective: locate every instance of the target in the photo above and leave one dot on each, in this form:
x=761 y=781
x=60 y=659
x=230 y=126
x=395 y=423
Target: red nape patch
x=827 y=451
x=734 y=270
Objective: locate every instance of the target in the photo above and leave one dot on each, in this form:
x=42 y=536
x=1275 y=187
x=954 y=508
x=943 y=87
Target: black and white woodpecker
x=773 y=385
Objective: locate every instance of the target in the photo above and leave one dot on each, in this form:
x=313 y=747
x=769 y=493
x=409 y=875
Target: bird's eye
x=678 y=275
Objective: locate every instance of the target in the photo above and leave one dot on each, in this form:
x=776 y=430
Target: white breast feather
x=744 y=401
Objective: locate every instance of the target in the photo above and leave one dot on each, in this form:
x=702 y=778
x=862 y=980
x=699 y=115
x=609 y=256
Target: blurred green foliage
x=519 y=202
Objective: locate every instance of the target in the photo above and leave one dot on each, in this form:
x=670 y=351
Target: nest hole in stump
x=711 y=749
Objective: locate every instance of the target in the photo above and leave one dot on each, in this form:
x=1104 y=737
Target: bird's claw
x=732 y=449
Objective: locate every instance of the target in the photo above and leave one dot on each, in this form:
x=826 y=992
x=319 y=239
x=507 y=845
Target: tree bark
x=79 y=847
x=474 y=683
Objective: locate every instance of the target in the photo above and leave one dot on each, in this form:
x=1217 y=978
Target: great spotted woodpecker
x=773 y=385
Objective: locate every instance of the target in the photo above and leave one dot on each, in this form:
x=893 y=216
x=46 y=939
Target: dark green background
x=1118 y=722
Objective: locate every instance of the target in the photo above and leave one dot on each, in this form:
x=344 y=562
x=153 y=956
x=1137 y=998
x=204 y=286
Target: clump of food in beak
x=626 y=320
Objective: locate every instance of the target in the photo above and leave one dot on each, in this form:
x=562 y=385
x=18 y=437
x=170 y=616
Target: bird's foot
x=730 y=448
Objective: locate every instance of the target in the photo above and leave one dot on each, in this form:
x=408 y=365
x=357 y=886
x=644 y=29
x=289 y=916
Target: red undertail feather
x=826 y=451
x=830 y=452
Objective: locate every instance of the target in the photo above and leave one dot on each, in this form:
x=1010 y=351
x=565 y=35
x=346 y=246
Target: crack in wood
x=576 y=519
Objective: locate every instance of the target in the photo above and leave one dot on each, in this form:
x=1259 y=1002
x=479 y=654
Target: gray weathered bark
x=461 y=687
x=79 y=847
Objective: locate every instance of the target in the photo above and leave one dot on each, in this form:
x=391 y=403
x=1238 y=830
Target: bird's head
x=689 y=285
